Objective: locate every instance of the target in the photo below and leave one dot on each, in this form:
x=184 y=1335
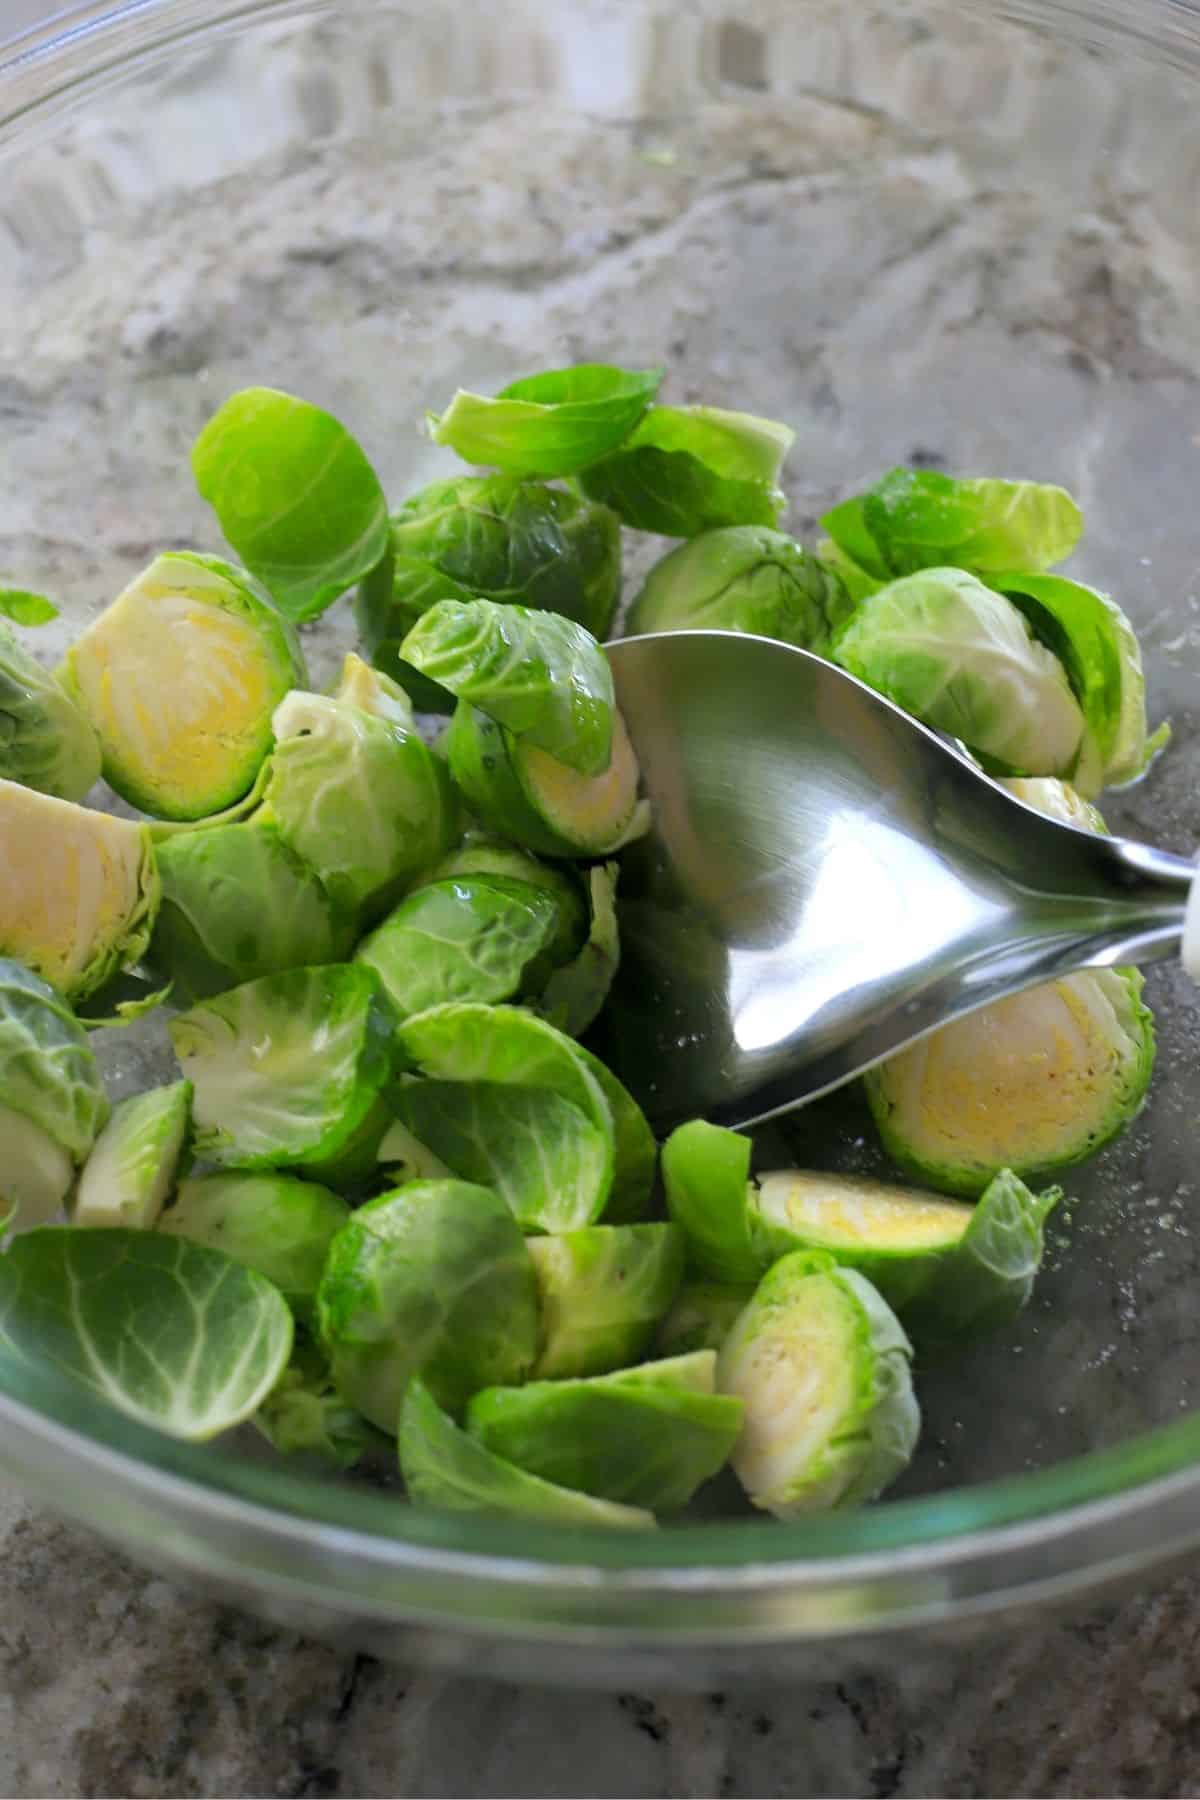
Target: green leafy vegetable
x=179 y=677
x=446 y=1469
x=743 y=578
x=919 y=519
x=24 y=608
x=688 y=469
x=431 y=1280
x=178 y=1337
x=295 y=496
x=288 y=1070
x=821 y=1364
x=133 y=1163
x=602 y=1291
x=45 y=740
x=554 y=423
x=541 y=676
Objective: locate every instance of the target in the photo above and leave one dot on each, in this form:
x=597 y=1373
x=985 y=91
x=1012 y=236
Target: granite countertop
x=117 y=1682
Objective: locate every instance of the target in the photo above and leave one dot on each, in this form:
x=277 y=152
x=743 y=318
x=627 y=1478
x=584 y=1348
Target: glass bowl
x=963 y=236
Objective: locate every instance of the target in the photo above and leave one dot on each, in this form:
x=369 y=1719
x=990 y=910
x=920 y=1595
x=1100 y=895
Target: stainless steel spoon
x=826 y=880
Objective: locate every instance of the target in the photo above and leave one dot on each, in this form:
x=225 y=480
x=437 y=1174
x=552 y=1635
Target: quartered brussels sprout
x=469 y=938
x=289 y=1071
x=521 y=792
x=542 y=677
x=46 y=740
x=602 y=1291
x=688 y=469
x=943 y=1266
x=919 y=519
x=304 y=1415
x=277 y=1224
x=961 y=658
x=78 y=890
x=434 y=1280
x=482 y=854
x=238 y=903
x=1034 y=1083
x=706 y=1172
x=647 y=1436
x=575 y=993
x=363 y=800
x=133 y=1163
x=295 y=496
x=446 y=1469
x=179 y=1337
x=180 y=677
x=702 y=1316
x=552 y=423
x=497 y=538
x=822 y=1366
x=743 y=578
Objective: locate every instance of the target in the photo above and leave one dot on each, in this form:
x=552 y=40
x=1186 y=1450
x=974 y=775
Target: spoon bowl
x=825 y=880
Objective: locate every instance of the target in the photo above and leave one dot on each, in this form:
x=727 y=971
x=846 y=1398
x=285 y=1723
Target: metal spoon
x=826 y=880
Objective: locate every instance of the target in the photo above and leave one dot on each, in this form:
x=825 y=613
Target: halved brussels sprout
x=433 y=1279
x=1033 y=1083
x=482 y=854
x=520 y=791
x=494 y=538
x=706 y=1172
x=46 y=741
x=277 y=1224
x=502 y=1044
x=78 y=890
x=180 y=676
x=821 y=1364
x=289 y=1070
x=445 y=1468
x=643 y=1437
x=574 y=995
x=304 y=1415
x=133 y=1163
x=469 y=938
x=541 y=676
x=744 y=578
x=702 y=1316
x=237 y=903
x=920 y=518
x=961 y=658
x=363 y=800
x=688 y=469
x=552 y=423
x=602 y=1291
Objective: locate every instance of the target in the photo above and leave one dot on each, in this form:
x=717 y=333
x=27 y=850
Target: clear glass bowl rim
x=350 y=1552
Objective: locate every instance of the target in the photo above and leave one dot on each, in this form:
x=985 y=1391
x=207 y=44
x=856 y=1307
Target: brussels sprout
x=402 y=1157
x=702 y=1316
x=362 y=800
x=180 y=676
x=1033 y=1083
x=46 y=742
x=465 y=939
x=304 y=1415
x=481 y=854
x=446 y=1469
x=602 y=1291
x=496 y=538
x=553 y=423
x=919 y=519
x=744 y=578
x=1097 y=647
x=238 y=903
x=822 y=1365
x=277 y=1224
x=961 y=658
x=295 y=496
x=541 y=676
x=374 y=692
x=688 y=469
x=288 y=1070
x=133 y=1164
x=48 y=1072
x=859 y=583
x=706 y=1171
x=575 y=994
x=78 y=890
x=177 y=1336
x=519 y=791
x=36 y=1173
x=433 y=1279
x=1058 y=800
x=644 y=1437
x=635 y=1152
